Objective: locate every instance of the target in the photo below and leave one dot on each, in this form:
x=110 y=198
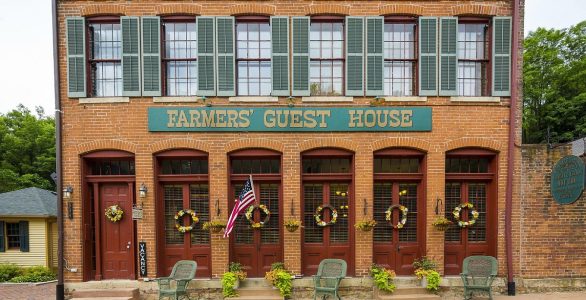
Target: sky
x=26 y=51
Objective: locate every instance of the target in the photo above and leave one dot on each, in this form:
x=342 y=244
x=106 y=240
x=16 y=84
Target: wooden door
x=257 y=249
x=117 y=238
x=331 y=241
x=397 y=248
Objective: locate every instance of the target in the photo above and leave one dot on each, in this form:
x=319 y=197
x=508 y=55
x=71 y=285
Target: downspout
x=60 y=289
x=511 y=147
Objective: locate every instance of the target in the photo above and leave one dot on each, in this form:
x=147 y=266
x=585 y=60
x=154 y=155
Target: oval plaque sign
x=567 y=179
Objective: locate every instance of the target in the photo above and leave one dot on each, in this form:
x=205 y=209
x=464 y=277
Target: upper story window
x=327 y=57
x=180 y=57
x=400 y=56
x=473 y=58
x=253 y=57
x=105 y=64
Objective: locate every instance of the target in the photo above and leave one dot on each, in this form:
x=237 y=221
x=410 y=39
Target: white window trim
x=104 y=100
x=406 y=99
x=475 y=99
x=254 y=99
x=176 y=99
x=327 y=99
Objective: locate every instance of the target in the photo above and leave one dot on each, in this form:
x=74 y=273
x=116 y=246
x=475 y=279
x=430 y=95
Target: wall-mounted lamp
x=70 y=210
x=142 y=191
x=365 y=207
x=292 y=208
x=218 y=211
x=438 y=206
x=67 y=192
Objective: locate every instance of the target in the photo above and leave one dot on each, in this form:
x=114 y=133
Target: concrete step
x=268 y=292
x=125 y=293
x=255 y=283
x=257 y=298
x=410 y=291
x=103 y=298
x=407 y=281
x=408 y=297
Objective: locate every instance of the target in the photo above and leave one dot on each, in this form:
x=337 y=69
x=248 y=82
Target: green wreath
x=389 y=215
x=318 y=219
x=250 y=210
x=179 y=217
x=114 y=213
x=459 y=208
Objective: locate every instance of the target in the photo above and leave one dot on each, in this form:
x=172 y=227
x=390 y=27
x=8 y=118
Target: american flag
x=245 y=199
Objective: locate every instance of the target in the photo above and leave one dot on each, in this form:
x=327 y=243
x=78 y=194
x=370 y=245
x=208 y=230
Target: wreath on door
x=114 y=213
x=389 y=215
x=459 y=208
x=179 y=218
x=318 y=218
x=251 y=209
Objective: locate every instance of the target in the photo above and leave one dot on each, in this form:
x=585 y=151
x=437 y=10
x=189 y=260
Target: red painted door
x=397 y=248
x=331 y=241
x=257 y=249
x=117 y=238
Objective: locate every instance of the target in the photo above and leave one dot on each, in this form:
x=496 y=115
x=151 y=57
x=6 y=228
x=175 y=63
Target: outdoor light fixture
x=142 y=191
x=70 y=210
x=67 y=192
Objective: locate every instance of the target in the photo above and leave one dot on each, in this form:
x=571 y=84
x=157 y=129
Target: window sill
x=175 y=99
x=104 y=100
x=476 y=99
x=327 y=99
x=406 y=99
x=254 y=99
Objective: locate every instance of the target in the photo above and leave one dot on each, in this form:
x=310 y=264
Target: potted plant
x=365 y=225
x=214 y=226
x=231 y=279
x=383 y=278
x=292 y=225
x=441 y=223
x=425 y=270
x=280 y=278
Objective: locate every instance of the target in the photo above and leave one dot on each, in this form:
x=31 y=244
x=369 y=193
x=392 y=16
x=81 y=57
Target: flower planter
x=237 y=284
x=291 y=228
x=424 y=282
x=366 y=229
x=442 y=227
x=216 y=229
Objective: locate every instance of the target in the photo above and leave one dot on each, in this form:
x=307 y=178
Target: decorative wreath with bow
x=459 y=208
x=179 y=218
x=318 y=219
x=251 y=209
x=389 y=215
x=114 y=213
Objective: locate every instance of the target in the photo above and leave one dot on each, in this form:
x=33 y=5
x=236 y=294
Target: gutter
x=511 y=147
x=60 y=288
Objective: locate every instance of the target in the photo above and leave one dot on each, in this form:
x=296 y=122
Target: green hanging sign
x=289 y=119
x=567 y=179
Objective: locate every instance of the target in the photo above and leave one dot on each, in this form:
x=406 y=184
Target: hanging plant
x=179 y=218
x=459 y=208
x=442 y=223
x=318 y=219
x=214 y=226
x=250 y=211
x=389 y=215
x=365 y=225
x=114 y=213
x=292 y=225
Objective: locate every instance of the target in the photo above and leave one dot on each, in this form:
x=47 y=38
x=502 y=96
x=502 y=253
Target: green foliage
x=424 y=263
x=284 y=282
x=27 y=150
x=433 y=280
x=16 y=274
x=228 y=281
x=235 y=267
x=554 y=84
x=9 y=271
x=277 y=266
x=383 y=278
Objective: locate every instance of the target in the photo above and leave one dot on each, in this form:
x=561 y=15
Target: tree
x=554 y=83
x=27 y=149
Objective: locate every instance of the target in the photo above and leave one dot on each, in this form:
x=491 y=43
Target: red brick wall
x=89 y=127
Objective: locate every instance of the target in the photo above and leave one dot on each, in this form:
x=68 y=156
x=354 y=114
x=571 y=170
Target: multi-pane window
x=327 y=58
x=180 y=58
x=13 y=235
x=473 y=59
x=105 y=59
x=111 y=167
x=253 y=41
x=400 y=59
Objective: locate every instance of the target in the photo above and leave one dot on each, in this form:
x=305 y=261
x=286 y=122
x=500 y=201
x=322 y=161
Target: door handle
x=128 y=245
x=398 y=248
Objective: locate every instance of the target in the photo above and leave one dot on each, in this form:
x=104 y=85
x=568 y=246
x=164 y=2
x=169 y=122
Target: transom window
x=327 y=58
x=112 y=167
x=326 y=165
x=473 y=59
x=180 y=58
x=13 y=235
x=256 y=166
x=253 y=41
x=400 y=59
x=467 y=165
x=105 y=59
x=184 y=166
x=396 y=165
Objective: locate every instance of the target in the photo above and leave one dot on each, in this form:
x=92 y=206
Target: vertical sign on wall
x=142 y=257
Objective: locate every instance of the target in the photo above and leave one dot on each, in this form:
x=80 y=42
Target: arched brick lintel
x=106 y=145
x=401 y=142
x=474 y=143
x=327 y=9
x=103 y=9
x=402 y=9
x=254 y=143
x=328 y=143
x=252 y=9
x=169 y=144
x=176 y=9
x=475 y=9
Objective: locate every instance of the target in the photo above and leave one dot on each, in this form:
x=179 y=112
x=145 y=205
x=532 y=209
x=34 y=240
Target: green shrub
x=228 y=281
x=424 y=263
x=433 y=280
x=284 y=282
x=277 y=266
x=35 y=274
x=9 y=271
x=383 y=278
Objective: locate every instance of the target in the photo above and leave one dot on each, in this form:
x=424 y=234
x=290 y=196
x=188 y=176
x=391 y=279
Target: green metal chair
x=183 y=272
x=329 y=274
x=478 y=273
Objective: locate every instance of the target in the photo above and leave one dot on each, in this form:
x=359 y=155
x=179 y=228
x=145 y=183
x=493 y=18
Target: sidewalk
x=545 y=296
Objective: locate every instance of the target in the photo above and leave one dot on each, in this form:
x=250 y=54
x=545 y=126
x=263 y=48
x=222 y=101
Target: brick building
x=362 y=107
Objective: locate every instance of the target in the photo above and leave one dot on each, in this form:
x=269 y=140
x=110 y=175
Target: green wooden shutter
x=374 y=56
x=355 y=56
x=300 y=56
x=23 y=231
x=427 y=56
x=448 y=56
x=280 y=56
x=151 y=56
x=225 y=56
x=501 y=57
x=2 y=237
x=130 y=56
x=76 y=78
x=206 y=84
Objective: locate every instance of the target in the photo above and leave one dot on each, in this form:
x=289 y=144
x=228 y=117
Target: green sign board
x=279 y=119
x=567 y=179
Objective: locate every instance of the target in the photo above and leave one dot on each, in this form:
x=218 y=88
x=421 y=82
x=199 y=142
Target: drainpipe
x=60 y=289
x=511 y=147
